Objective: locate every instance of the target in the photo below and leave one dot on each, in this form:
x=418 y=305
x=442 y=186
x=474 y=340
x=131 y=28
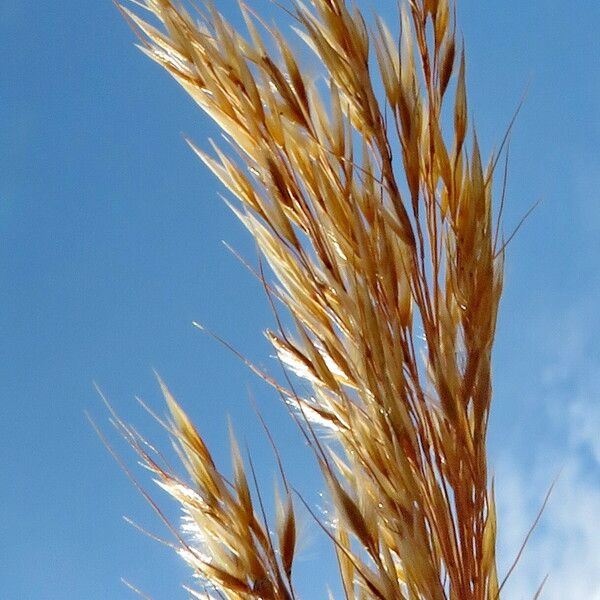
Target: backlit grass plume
x=370 y=203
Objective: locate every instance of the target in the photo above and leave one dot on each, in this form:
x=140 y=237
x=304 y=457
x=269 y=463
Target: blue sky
x=110 y=245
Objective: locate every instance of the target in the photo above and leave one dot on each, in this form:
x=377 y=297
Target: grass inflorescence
x=369 y=200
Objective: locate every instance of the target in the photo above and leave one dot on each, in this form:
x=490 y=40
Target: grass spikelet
x=375 y=215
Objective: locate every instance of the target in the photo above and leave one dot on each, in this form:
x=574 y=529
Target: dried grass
x=367 y=263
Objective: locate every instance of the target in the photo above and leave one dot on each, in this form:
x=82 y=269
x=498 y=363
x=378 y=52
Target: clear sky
x=110 y=245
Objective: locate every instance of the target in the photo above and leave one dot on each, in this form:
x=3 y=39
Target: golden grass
x=371 y=252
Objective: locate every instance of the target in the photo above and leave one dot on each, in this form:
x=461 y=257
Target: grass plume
x=370 y=202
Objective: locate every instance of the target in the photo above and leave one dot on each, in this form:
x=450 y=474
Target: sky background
x=110 y=245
